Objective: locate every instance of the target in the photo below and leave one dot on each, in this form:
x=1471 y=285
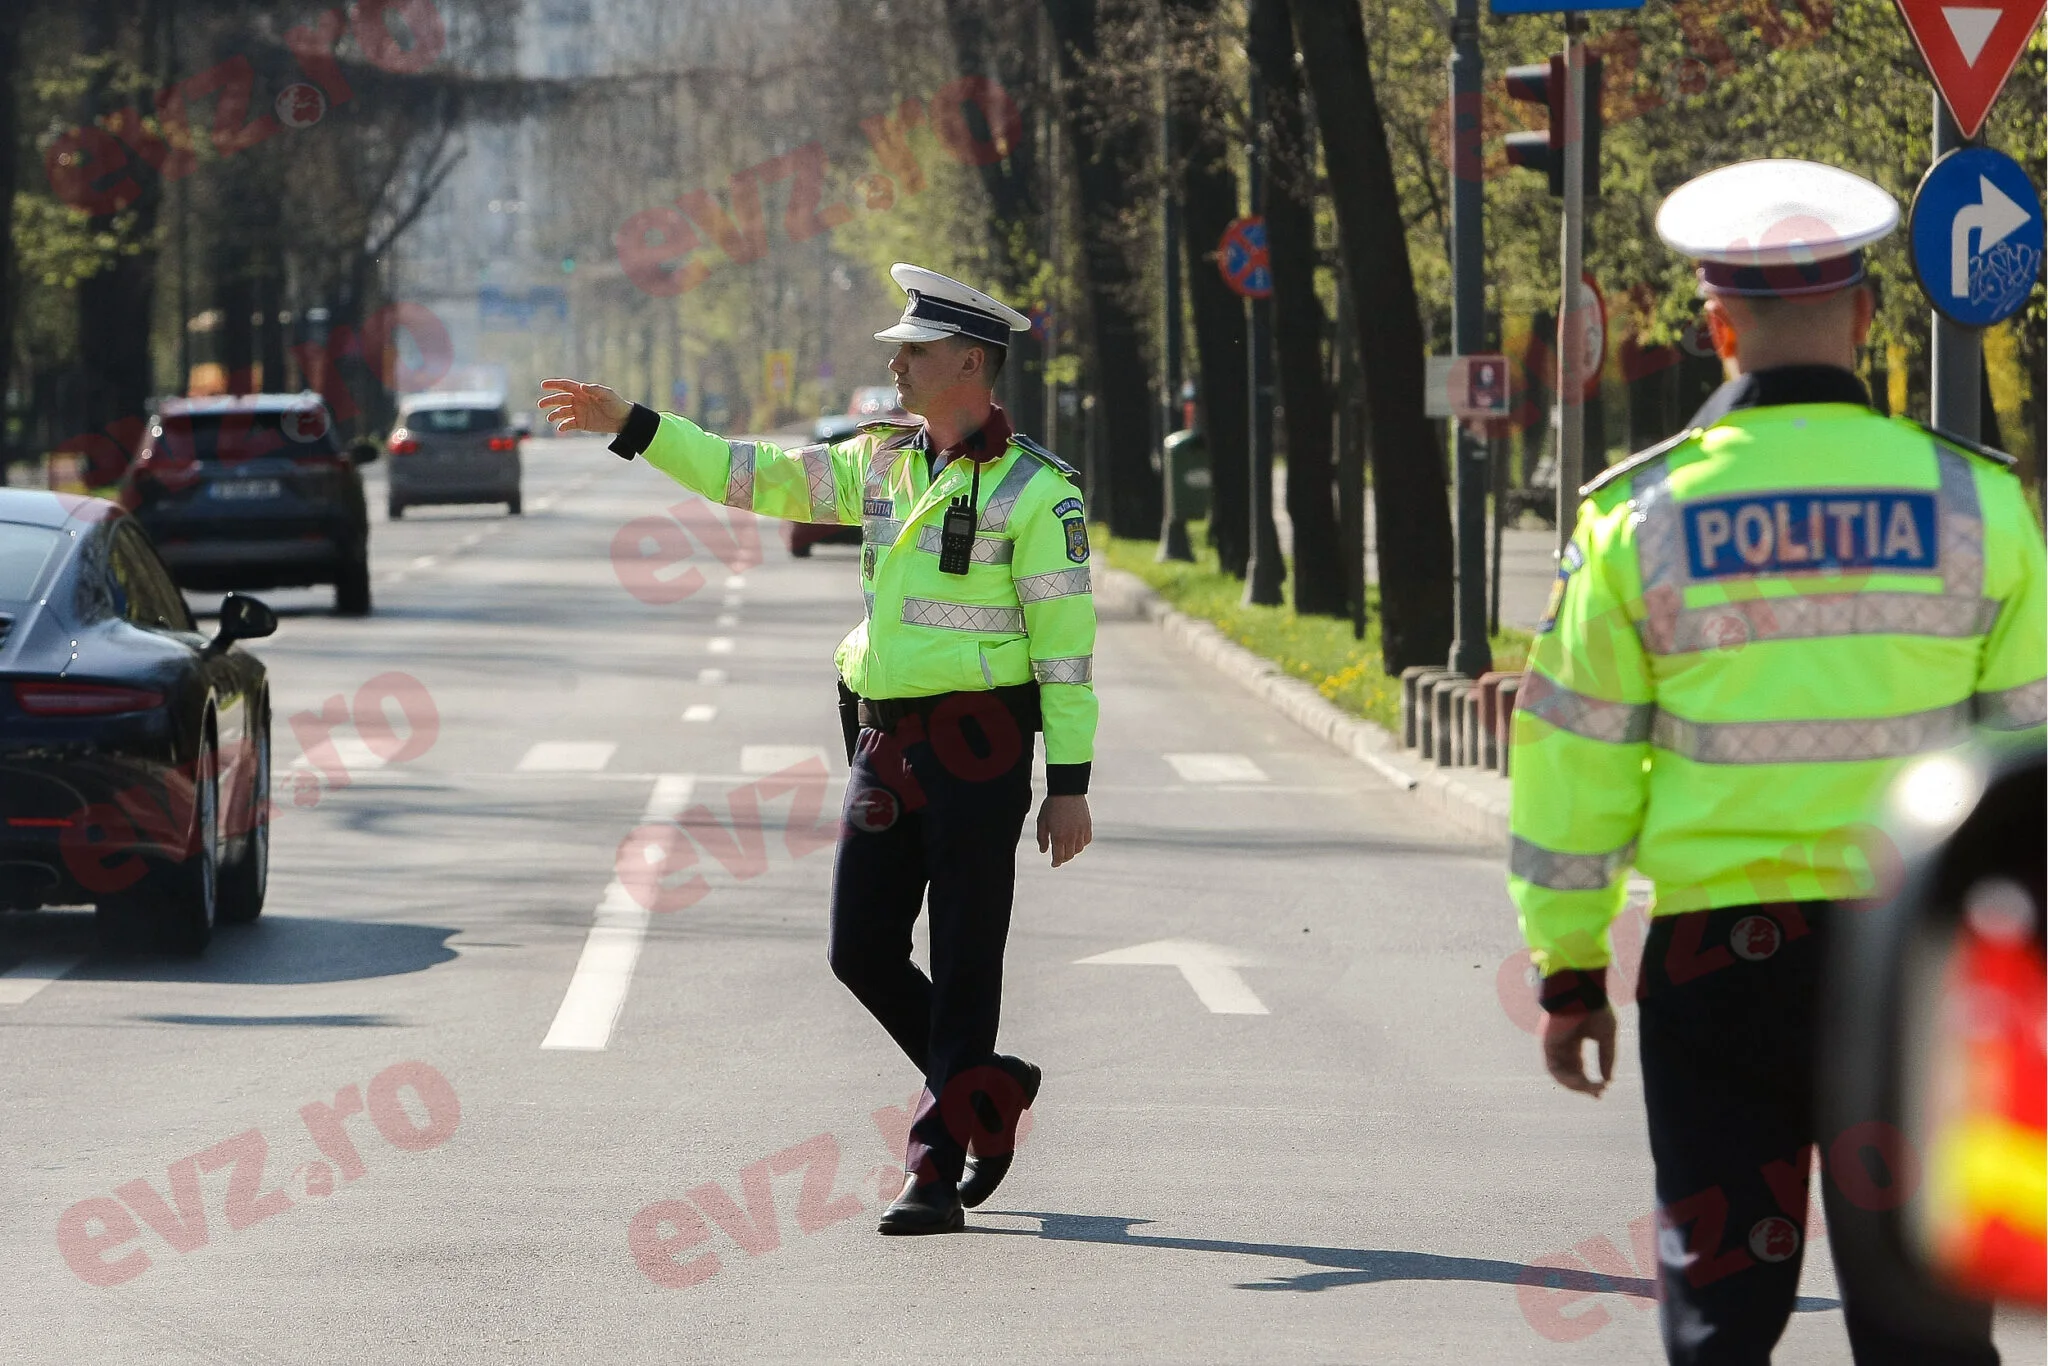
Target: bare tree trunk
x=1410 y=502
x=11 y=18
x=1208 y=204
x=1106 y=160
x=1298 y=322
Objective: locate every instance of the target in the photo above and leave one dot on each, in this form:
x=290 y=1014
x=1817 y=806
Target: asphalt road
x=477 y=1087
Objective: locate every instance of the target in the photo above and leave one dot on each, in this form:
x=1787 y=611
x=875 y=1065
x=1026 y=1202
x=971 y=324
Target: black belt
x=1020 y=700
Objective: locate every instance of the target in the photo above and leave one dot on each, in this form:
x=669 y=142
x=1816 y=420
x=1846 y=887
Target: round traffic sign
x=1241 y=256
x=1976 y=236
x=1585 y=324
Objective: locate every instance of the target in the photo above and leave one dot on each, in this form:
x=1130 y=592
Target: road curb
x=1474 y=800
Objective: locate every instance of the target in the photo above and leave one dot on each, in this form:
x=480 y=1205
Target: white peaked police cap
x=941 y=306
x=1777 y=226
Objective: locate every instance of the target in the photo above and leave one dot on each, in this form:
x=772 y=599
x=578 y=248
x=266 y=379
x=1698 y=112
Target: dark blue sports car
x=134 y=751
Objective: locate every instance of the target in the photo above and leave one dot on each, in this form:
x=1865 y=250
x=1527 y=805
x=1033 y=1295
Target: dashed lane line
x=567 y=756
x=597 y=992
x=1216 y=768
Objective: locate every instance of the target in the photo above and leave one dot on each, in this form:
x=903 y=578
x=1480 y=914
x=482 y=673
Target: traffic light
x=1542 y=149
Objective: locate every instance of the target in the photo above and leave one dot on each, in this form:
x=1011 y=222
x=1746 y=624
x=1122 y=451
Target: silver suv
x=455 y=447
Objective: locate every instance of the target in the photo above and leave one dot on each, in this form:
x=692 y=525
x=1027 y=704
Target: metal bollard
x=1487 y=717
x=1425 y=715
x=1442 y=717
x=1504 y=718
x=1411 y=682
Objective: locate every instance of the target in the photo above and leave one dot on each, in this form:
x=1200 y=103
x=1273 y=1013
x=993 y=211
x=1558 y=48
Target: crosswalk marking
x=735 y=584
x=721 y=645
x=567 y=756
x=712 y=678
x=1216 y=768
x=728 y=619
x=597 y=992
x=18 y=984
x=775 y=758
x=700 y=711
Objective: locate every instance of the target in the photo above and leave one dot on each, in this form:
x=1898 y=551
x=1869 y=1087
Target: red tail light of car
x=504 y=443
x=402 y=444
x=83 y=699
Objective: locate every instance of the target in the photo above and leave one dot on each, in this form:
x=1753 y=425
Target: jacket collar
x=1780 y=385
x=986 y=442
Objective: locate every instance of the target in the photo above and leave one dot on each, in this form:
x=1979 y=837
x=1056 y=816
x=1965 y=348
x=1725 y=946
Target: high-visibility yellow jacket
x=1755 y=625
x=1022 y=612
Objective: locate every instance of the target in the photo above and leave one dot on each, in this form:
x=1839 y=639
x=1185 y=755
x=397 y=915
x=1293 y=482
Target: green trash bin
x=1185 y=474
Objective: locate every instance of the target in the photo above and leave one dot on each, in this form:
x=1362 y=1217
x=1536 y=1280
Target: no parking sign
x=1241 y=256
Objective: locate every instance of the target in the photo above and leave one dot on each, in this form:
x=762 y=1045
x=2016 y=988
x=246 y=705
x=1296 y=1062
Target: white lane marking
x=17 y=985
x=735 y=583
x=567 y=756
x=721 y=645
x=425 y=562
x=732 y=600
x=728 y=619
x=1216 y=768
x=700 y=711
x=1210 y=969
x=597 y=992
x=711 y=677
x=775 y=758
x=349 y=751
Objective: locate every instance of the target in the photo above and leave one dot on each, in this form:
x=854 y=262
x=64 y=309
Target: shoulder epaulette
x=1043 y=456
x=1990 y=453
x=1635 y=462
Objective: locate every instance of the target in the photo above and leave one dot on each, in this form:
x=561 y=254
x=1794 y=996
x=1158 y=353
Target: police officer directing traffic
x=1755 y=626
x=979 y=630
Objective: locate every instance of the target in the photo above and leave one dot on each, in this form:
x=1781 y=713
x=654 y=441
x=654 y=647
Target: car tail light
x=402 y=444
x=82 y=699
x=504 y=443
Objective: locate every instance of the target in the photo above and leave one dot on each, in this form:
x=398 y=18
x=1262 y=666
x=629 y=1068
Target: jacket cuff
x=638 y=433
x=1572 y=991
x=1067 y=780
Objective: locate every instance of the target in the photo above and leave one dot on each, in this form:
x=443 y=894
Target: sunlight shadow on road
x=284 y=950
x=1344 y=1266
x=278 y=1021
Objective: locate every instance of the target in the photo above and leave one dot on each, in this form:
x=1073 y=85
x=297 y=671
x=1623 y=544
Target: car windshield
x=217 y=437
x=24 y=550
x=455 y=420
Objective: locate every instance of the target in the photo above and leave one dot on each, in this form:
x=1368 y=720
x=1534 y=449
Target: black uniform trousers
x=1729 y=1001
x=934 y=808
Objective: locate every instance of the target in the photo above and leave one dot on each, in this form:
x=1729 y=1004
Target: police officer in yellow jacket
x=1755 y=626
x=979 y=629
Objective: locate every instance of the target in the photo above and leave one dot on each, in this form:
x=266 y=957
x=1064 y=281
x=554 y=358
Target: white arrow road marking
x=590 y=1008
x=18 y=984
x=1210 y=969
x=567 y=756
x=1972 y=27
x=1994 y=217
x=1216 y=768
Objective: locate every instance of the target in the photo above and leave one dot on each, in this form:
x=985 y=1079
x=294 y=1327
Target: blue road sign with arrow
x=1977 y=236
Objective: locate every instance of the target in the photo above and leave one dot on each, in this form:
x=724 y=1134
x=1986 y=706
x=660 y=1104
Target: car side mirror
x=242 y=618
x=364 y=452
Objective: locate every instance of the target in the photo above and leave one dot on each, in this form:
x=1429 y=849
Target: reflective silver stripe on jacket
x=958 y=616
x=1064 y=583
x=1804 y=742
x=739 y=479
x=987 y=549
x=880 y=530
x=1567 y=872
x=817 y=462
x=870 y=599
x=995 y=513
x=1618 y=723
x=1074 y=669
x=2020 y=708
x=1669 y=627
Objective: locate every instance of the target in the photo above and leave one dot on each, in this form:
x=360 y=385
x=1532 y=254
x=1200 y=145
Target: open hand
x=1064 y=828
x=1565 y=1036
x=573 y=406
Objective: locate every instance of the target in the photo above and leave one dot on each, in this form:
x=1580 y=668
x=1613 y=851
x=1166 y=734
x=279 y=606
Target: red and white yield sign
x=1970 y=48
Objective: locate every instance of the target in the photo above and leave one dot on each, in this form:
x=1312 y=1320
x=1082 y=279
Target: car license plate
x=247 y=488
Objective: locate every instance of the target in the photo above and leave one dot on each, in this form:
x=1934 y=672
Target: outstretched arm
x=573 y=406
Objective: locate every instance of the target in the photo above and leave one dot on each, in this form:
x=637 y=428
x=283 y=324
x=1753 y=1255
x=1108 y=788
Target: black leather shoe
x=985 y=1173
x=927 y=1207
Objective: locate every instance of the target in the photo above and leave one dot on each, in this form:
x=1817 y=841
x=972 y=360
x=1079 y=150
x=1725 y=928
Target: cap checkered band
x=1073 y=669
x=1617 y=723
x=1064 y=583
x=1806 y=742
x=1567 y=872
x=958 y=616
x=987 y=549
x=739 y=478
x=2020 y=708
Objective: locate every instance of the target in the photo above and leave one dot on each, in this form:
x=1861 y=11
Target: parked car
x=804 y=535
x=456 y=447
x=254 y=492
x=834 y=427
x=134 y=751
x=874 y=400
